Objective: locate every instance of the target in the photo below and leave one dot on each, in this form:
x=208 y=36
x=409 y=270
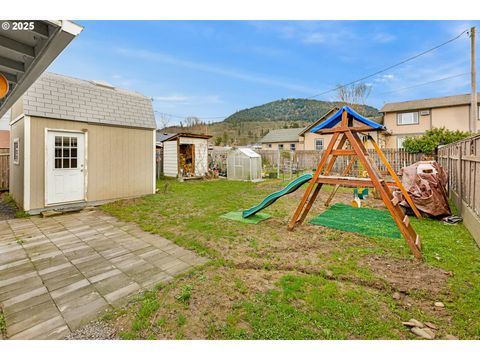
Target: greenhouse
x=244 y=164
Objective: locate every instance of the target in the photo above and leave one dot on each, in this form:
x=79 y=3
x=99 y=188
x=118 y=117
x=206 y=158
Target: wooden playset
x=345 y=125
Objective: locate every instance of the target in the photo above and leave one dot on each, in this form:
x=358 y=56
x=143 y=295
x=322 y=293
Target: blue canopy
x=337 y=117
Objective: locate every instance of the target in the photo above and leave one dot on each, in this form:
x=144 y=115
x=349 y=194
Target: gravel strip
x=94 y=331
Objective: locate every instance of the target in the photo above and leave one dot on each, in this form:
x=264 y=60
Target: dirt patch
x=218 y=289
x=408 y=276
x=7 y=210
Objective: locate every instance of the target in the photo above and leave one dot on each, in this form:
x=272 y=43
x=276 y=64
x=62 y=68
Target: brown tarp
x=427 y=189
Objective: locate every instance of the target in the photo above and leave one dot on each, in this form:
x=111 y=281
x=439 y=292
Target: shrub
x=428 y=142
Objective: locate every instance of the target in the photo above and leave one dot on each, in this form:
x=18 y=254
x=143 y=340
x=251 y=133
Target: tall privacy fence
x=287 y=163
x=462 y=162
x=4 y=168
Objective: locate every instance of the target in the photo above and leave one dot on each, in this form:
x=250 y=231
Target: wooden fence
x=307 y=160
x=462 y=162
x=4 y=169
x=291 y=162
x=159 y=163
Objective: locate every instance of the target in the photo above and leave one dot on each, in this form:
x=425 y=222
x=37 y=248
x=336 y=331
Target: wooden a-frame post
x=346 y=133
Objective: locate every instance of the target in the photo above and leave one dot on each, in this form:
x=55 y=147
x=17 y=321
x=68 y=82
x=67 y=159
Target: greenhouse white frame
x=244 y=164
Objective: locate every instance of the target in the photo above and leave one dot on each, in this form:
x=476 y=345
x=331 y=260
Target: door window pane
x=66 y=152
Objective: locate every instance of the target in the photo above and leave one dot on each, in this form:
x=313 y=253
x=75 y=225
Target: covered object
x=426 y=183
x=244 y=164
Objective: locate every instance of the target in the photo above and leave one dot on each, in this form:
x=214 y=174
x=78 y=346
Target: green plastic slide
x=270 y=199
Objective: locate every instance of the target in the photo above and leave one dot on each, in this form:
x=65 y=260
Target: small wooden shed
x=185 y=155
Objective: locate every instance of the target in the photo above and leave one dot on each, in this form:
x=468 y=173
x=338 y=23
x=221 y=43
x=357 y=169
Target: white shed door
x=65 y=167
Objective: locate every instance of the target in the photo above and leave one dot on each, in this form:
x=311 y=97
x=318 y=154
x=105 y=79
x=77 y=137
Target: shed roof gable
x=62 y=97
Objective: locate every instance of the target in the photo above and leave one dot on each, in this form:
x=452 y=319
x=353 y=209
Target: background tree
x=225 y=138
x=163 y=120
x=354 y=95
x=429 y=142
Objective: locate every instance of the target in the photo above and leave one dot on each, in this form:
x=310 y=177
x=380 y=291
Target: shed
x=244 y=164
x=185 y=155
x=77 y=142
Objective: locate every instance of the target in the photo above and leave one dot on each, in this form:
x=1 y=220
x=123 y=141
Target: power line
x=185 y=116
x=358 y=80
x=422 y=84
x=391 y=66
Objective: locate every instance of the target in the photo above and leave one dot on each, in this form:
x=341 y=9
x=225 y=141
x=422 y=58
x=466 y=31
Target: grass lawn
x=264 y=282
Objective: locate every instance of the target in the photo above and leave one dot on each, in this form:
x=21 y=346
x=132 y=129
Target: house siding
x=119 y=160
x=451 y=118
x=286 y=145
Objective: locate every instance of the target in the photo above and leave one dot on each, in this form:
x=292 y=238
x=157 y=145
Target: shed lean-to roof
x=444 y=101
x=66 y=98
x=337 y=117
x=282 y=135
x=161 y=137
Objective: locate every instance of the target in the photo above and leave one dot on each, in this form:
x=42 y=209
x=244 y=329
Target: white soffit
x=27 y=51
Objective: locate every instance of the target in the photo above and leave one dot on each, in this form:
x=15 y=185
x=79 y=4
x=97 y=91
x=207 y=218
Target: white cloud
x=171 y=98
x=214 y=69
x=383 y=37
x=314 y=38
x=188 y=100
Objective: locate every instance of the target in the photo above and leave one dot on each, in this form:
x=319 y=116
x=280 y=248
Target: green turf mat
x=254 y=219
x=364 y=221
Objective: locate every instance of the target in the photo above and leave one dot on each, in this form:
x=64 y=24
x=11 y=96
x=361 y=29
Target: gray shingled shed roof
x=454 y=100
x=62 y=97
x=282 y=135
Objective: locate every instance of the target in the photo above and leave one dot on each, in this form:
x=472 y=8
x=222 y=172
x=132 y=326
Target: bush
x=432 y=139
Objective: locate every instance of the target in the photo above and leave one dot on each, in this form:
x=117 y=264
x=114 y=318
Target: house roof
x=325 y=116
x=282 y=135
x=66 y=98
x=4 y=139
x=337 y=117
x=454 y=100
x=161 y=137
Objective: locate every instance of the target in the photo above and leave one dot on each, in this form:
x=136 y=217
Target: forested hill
x=291 y=110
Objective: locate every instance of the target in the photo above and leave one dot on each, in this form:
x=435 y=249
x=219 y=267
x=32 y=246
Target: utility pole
x=473 y=74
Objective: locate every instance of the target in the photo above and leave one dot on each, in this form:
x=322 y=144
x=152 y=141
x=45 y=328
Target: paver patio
x=58 y=273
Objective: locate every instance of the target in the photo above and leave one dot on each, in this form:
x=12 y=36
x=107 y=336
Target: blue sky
x=213 y=68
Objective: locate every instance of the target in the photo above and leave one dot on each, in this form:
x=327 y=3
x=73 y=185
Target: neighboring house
x=414 y=118
x=297 y=138
x=77 y=142
x=185 y=155
x=4 y=141
x=301 y=138
x=283 y=139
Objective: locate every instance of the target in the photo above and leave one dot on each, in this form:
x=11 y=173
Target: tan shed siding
x=119 y=160
x=170 y=158
x=201 y=154
x=17 y=109
x=17 y=130
x=452 y=118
